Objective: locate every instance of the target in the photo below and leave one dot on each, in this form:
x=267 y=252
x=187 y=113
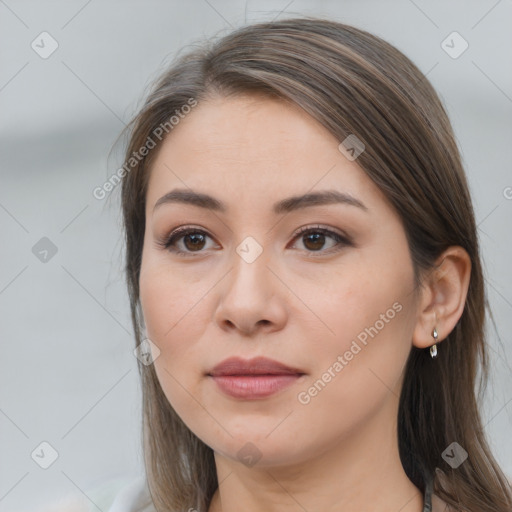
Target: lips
x=257 y=366
x=253 y=379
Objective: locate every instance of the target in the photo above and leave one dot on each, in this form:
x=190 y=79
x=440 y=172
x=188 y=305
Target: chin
x=260 y=450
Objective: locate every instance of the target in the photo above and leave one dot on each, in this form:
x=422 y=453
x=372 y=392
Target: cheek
x=165 y=304
x=359 y=368
x=369 y=319
x=174 y=313
x=168 y=301
x=356 y=302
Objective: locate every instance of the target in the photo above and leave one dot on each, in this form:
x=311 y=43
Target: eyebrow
x=289 y=204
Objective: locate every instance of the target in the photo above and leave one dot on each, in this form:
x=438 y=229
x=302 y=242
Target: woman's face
x=335 y=302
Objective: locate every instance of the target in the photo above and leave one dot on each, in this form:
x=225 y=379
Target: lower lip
x=252 y=387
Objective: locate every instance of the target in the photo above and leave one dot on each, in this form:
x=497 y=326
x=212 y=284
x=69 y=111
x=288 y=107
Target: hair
x=352 y=83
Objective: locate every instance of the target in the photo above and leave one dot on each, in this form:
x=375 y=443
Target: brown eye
x=314 y=239
x=185 y=241
x=194 y=241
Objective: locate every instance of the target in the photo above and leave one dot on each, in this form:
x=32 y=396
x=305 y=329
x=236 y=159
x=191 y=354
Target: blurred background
x=72 y=73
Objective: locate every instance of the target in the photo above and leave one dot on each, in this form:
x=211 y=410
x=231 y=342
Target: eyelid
x=321 y=228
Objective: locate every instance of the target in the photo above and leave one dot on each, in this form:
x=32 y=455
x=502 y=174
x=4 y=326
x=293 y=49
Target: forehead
x=251 y=148
x=246 y=127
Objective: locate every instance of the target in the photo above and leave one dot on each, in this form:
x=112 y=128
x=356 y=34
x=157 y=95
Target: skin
x=293 y=304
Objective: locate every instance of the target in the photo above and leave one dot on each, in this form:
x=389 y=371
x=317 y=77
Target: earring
x=433 y=348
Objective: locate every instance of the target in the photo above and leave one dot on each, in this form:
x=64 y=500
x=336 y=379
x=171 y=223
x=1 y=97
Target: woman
x=305 y=282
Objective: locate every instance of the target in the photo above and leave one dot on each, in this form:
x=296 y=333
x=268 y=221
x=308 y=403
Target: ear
x=442 y=297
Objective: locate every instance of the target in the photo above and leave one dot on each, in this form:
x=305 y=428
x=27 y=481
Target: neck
x=362 y=472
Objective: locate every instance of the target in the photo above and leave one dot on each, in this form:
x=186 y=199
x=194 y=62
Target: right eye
x=192 y=240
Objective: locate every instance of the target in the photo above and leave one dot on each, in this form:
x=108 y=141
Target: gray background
x=68 y=373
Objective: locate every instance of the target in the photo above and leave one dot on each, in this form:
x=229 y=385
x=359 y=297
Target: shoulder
x=121 y=494
x=439 y=505
x=133 y=497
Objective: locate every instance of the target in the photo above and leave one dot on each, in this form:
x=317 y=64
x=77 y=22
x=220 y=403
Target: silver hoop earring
x=433 y=348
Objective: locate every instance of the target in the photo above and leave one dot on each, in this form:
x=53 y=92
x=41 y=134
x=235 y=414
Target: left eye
x=314 y=238
x=194 y=240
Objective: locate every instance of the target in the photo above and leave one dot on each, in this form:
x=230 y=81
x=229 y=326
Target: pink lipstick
x=253 y=379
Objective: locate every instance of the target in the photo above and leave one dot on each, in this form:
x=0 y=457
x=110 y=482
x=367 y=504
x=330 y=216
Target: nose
x=251 y=298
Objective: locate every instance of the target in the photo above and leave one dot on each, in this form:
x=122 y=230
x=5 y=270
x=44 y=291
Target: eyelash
x=169 y=241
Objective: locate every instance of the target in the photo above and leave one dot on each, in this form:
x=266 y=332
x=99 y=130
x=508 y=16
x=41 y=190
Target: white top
x=120 y=494
x=133 y=497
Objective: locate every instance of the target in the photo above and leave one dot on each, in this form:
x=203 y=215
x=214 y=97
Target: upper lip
x=254 y=366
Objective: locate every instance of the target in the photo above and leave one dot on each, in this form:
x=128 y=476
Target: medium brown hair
x=351 y=82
